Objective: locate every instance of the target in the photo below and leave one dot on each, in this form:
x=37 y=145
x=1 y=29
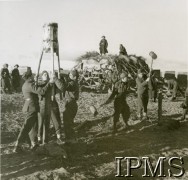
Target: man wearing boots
x=71 y=95
x=31 y=109
x=119 y=93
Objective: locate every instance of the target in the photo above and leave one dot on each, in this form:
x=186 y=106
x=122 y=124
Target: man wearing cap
x=31 y=109
x=5 y=79
x=119 y=93
x=103 y=46
x=71 y=95
x=15 y=78
x=142 y=92
x=122 y=50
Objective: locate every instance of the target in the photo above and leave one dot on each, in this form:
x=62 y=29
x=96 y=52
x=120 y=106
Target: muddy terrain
x=93 y=156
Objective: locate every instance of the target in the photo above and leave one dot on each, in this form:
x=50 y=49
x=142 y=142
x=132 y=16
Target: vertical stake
x=59 y=77
x=53 y=71
x=39 y=67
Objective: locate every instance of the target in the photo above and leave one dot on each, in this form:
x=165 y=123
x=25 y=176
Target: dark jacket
x=15 y=78
x=15 y=74
x=103 y=46
x=31 y=92
x=119 y=92
x=71 y=89
x=5 y=73
x=48 y=100
x=122 y=51
x=45 y=98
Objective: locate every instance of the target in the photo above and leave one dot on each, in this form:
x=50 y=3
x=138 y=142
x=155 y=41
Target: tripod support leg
x=39 y=67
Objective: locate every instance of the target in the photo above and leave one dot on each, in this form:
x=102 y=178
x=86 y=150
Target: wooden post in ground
x=37 y=76
x=53 y=63
x=160 y=99
x=58 y=60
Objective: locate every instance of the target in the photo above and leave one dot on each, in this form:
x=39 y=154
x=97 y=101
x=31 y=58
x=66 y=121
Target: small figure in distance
x=122 y=50
x=15 y=78
x=103 y=46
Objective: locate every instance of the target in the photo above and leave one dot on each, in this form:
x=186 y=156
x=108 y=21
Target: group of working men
x=10 y=81
x=40 y=100
x=41 y=105
x=121 y=89
x=147 y=86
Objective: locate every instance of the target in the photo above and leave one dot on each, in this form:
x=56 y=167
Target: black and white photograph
x=94 y=89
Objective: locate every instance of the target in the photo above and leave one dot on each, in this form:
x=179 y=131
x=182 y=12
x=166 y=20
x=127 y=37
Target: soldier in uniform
x=185 y=105
x=49 y=109
x=122 y=50
x=103 y=46
x=119 y=93
x=5 y=79
x=172 y=85
x=142 y=92
x=71 y=91
x=15 y=78
x=31 y=109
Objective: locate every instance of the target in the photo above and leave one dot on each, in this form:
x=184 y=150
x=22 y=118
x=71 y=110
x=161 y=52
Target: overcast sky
x=140 y=25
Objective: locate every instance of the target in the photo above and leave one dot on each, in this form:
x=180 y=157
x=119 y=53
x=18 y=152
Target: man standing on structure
x=122 y=50
x=103 y=46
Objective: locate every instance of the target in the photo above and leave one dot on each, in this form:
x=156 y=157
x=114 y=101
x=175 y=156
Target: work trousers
x=69 y=114
x=142 y=103
x=152 y=94
x=15 y=84
x=47 y=112
x=121 y=107
x=175 y=89
x=5 y=84
x=27 y=128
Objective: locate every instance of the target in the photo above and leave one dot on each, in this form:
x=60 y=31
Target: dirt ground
x=93 y=157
